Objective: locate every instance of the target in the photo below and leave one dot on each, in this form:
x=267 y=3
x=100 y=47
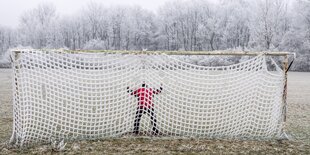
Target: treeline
x=275 y=25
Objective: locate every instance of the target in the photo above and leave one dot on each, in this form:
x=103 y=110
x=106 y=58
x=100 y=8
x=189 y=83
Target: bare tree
x=269 y=23
x=36 y=25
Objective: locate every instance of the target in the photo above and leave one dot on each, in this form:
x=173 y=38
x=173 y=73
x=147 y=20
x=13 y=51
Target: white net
x=70 y=96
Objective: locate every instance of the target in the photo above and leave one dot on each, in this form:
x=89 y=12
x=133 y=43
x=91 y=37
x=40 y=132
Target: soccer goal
x=73 y=95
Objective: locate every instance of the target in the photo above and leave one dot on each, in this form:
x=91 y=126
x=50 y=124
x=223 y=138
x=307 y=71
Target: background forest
x=190 y=25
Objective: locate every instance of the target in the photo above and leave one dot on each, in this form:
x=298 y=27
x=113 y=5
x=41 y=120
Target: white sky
x=11 y=10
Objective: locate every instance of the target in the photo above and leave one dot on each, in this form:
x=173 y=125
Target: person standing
x=144 y=94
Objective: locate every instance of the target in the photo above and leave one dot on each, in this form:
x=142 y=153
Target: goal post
x=71 y=95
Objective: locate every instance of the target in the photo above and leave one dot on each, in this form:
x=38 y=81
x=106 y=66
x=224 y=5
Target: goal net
x=70 y=96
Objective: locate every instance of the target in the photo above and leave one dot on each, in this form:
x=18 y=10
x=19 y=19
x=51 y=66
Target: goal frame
x=285 y=66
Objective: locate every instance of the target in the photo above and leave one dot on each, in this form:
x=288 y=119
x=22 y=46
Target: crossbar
x=249 y=53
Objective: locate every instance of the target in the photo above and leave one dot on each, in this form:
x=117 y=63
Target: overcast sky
x=10 y=10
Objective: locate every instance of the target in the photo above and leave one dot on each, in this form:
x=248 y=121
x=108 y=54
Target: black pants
x=140 y=111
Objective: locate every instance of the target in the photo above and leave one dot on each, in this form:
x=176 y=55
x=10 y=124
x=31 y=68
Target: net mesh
x=60 y=95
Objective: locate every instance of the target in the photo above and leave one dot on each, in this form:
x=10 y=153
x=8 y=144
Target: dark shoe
x=155 y=132
x=136 y=132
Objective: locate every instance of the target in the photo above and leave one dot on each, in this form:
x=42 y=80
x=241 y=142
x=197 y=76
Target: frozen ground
x=297 y=127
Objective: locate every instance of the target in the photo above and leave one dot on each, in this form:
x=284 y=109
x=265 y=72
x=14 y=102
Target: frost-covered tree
x=94 y=44
x=203 y=25
x=235 y=24
x=269 y=23
x=7 y=39
x=298 y=37
x=37 y=26
x=188 y=25
x=282 y=25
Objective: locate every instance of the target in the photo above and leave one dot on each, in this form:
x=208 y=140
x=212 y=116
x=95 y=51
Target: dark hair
x=144 y=85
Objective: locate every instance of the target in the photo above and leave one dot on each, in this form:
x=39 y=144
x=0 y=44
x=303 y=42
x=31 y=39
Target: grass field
x=297 y=127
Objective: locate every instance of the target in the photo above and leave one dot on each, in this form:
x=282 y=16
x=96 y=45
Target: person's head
x=144 y=85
